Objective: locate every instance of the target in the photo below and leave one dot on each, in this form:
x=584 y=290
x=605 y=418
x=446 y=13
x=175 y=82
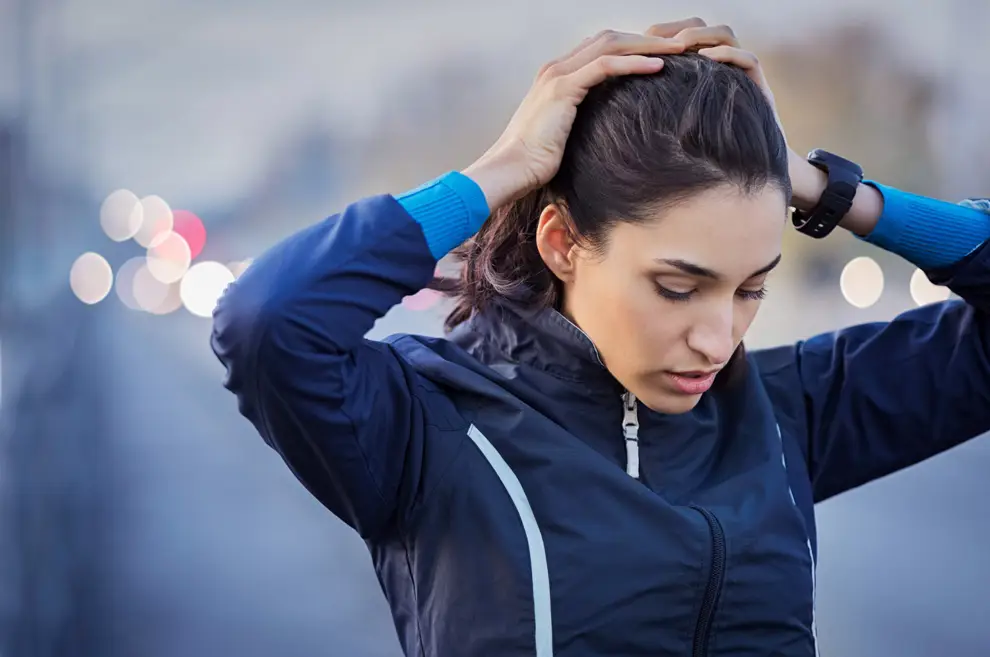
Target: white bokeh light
x=149 y=291
x=124 y=286
x=924 y=292
x=862 y=282
x=91 y=278
x=121 y=214
x=171 y=302
x=169 y=257
x=202 y=286
x=156 y=220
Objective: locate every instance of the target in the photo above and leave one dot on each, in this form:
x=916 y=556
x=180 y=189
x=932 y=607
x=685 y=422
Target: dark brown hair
x=639 y=144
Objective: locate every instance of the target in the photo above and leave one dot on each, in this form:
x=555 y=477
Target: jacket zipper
x=630 y=430
x=716 y=577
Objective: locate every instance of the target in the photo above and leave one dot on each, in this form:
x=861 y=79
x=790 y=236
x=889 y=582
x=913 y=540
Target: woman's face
x=668 y=301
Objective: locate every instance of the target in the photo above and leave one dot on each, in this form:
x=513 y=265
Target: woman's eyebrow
x=704 y=272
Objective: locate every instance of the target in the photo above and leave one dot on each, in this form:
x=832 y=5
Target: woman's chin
x=661 y=401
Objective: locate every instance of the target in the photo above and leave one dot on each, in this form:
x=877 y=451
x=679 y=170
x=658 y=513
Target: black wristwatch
x=843 y=180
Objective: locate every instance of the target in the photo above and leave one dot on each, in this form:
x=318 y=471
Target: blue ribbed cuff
x=927 y=232
x=450 y=209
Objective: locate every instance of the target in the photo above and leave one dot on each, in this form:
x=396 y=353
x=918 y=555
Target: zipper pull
x=630 y=429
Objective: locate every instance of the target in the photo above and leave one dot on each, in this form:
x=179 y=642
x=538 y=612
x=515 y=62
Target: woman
x=589 y=464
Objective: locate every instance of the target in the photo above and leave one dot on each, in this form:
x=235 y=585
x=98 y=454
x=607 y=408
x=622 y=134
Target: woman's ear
x=555 y=241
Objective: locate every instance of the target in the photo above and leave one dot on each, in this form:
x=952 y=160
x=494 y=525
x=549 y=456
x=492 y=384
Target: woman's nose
x=713 y=337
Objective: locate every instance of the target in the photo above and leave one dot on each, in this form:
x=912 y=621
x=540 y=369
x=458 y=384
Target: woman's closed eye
x=746 y=294
x=758 y=294
x=674 y=295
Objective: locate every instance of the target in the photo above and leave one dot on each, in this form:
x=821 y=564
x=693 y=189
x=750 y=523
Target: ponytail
x=502 y=261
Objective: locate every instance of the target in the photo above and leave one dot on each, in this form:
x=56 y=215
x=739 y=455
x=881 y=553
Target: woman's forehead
x=725 y=230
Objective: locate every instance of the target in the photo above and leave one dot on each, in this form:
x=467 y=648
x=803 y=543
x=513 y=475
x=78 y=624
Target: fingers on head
x=672 y=29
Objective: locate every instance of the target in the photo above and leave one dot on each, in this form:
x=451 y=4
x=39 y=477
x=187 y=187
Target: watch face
x=828 y=161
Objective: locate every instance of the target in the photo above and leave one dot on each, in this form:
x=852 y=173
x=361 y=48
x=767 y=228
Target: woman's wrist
x=866 y=210
x=500 y=176
x=808 y=183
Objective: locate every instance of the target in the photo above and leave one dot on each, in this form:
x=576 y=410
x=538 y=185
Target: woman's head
x=657 y=232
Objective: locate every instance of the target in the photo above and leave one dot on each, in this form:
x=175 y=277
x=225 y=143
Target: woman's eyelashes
x=752 y=295
x=745 y=294
x=673 y=295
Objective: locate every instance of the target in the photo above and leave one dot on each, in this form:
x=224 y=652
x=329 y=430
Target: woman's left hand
x=719 y=42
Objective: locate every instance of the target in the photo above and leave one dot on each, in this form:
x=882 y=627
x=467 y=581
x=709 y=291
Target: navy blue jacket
x=486 y=471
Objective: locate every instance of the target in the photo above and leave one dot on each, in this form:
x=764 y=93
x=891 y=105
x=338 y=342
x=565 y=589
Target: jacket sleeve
x=338 y=408
x=872 y=399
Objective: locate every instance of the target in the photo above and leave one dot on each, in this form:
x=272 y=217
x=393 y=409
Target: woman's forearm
x=927 y=232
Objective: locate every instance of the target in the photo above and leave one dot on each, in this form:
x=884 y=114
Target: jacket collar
x=541 y=338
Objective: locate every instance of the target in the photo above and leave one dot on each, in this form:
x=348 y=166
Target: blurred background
x=141 y=515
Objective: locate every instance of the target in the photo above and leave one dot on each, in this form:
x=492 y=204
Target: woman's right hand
x=528 y=153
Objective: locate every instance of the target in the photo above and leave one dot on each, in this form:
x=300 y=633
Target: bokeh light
x=192 y=230
x=862 y=282
x=149 y=291
x=422 y=300
x=156 y=220
x=202 y=286
x=91 y=278
x=169 y=257
x=170 y=303
x=121 y=215
x=924 y=292
x=126 y=276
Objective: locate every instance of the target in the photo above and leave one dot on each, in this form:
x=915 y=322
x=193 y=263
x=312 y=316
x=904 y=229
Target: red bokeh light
x=422 y=300
x=191 y=229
